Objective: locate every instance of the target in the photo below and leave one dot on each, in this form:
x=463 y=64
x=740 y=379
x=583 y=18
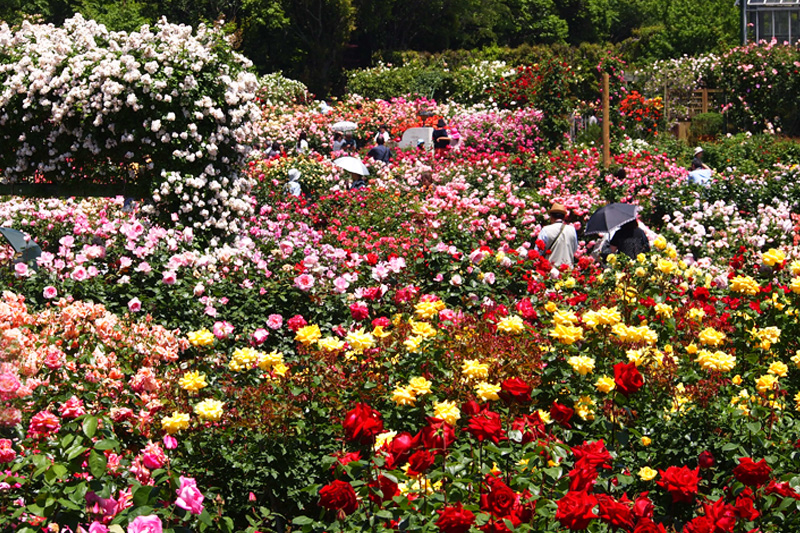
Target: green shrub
x=707 y=124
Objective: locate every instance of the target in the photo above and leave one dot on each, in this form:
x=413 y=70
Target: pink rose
x=222 y=330
x=274 y=321
x=189 y=497
x=153 y=456
x=145 y=524
x=169 y=277
x=44 y=423
x=170 y=442
x=49 y=292
x=304 y=282
x=72 y=408
x=9 y=383
x=21 y=270
x=97 y=527
x=260 y=335
x=134 y=305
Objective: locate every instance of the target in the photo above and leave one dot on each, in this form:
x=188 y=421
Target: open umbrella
x=21 y=244
x=345 y=125
x=352 y=164
x=610 y=217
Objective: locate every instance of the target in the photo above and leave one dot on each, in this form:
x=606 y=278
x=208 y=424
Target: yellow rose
x=209 y=409
x=646 y=441
x=778 y=368
x=716 y=361
x=487 y=391
x=565 y=318
x=711 y=337
x=796 y=359
x=472 y=368
x=695 y=313
x=383 y=438
x=511 y=324
x=745 y=285
x=330 y=344
x=605 y=384
x=447 y=411
x=797 y=401
x=379 y=333
x=243 y=359
x=737 y=379
x=420 y=386
x=766 y=382
x=423 y=329
x=176 y=422
x=193 y=381
x=266 y=361
x=663 y=310
x=360 y=341
x=647 y=474
x=550 y=307
x=665 y=267
x=567 y=334
x=412 y=344
x=308 y=335
x=426 y=309
x=691 y=349
x=773 y=257
x=581 y=364
x=201 y=337
x=660 y=243
x=404 y=396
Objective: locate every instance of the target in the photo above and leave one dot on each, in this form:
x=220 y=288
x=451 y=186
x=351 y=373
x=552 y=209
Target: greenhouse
x=773 y=19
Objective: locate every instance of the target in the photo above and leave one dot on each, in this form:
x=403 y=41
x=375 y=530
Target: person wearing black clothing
x=380 y=152
x=630 y=240
x=441 y=139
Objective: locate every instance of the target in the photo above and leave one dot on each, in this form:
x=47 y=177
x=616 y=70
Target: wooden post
x=606 y=119
x=704 y=105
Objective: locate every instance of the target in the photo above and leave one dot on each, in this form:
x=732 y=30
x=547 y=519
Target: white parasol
x=352 y=164
x=345 y=125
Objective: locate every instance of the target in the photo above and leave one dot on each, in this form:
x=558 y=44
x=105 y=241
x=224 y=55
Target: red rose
x=515 y=390
x=470 y=408
x=372 y=259
x=362 y=424
x=400 y=447
x=646 y=525
x=680 y=482
x=487 y=425
x=750 y=473
x=348 y=458
x=454 y=519
x=582 y=478
x=437 y=436
x=420 y=462
x=499 y=499
x=782 y=489
x=531 y=427
x=525 y=309
x=744 y=506
x=699 y=524
x=614 y=513
x=627 y=378
x=296 y=322
x=593 y=454
x=706 y=460
x=338 y=496
x=721 y=515
x=643 y=506
x=575 y=510
x=382 y=490
x=561 y=413
x=382 y=321
x=359 y=311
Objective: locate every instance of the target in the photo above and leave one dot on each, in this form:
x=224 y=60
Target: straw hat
x=557 y=209
x=698 y=150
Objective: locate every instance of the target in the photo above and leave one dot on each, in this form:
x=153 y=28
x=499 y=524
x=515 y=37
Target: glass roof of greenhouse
x=773 y=3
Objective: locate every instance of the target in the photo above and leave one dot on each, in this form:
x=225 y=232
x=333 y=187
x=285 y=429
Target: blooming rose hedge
x=402 y=358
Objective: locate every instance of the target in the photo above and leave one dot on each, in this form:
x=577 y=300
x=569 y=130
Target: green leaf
x=205 y=518
x=97 y=464
x=106 y=444
x=90 y=426
x=302 y=521
x=754 y=427
x=75 y=451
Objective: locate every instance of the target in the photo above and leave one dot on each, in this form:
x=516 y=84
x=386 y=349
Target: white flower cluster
x=168 y=107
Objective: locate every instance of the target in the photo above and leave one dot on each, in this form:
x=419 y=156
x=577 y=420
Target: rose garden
x=217 y=355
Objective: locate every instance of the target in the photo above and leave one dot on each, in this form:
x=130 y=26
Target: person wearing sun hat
x=697 y=162
x=558 y=241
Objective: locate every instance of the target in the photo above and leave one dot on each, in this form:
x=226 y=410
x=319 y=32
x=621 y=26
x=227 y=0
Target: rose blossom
x=145 y=524
x=189 y=496
x=274 y=321
x=304 y=282
x=134 y=305
x=49 y=292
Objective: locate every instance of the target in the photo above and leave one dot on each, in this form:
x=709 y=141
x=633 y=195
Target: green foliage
x=276 y=89
x=707 y=124
x=119 y=15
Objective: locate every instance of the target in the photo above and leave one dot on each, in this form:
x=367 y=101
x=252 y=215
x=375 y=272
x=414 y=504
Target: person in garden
x=359 y=181
x=274 y=151
x=558 y=240
x=302 y=143
x=380 y=152
x=338 y=142
x=349 y=142
x=700 y=173
x=383 y=132
x=697 y=162
x=441 y=139
x=630 y=240
x=293 y=186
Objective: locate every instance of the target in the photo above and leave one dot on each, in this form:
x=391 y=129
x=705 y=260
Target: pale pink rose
x=199 y=289
x=169 y=277
x=9 y=383
x=222 y=330
x=340 y=284
x=304 y=282
x=79 y=274
x=134 y=305
x=10 y=417
x=125 y=262
x=189 y=496
x=49 y=292
x=120 y=414
x=145 y=524
x=144 y=267
x=21 y=270
x=274 y=321
x=489 y=278
x=260 y=335
x=72 y=408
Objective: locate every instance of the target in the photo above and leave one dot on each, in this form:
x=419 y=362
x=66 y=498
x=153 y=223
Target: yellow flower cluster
x=272 y=361
x=565 y=318
x=711 y=337
x=716 y=361
x=634 y=334
x=330 y=344
x=360 y=341
x=583 y=408
x=511 y=324
x=193 y=381
x=447 y=411
x=176 y=422
x=423 y=329
x=201 y=337
x=604 y=316
x=696 y=313
x=778 y=368
x=773 y=257
x=664 y=310
x=605 y=384
x=244 y=359
x=418 y=386
x=567 y=334
x=209 y=409
x=413 y=343
x=487 y=391
x=428 y=309
x=308 y=335
x=472 y=368
x=745 y=285
x=766 y=337
x=581 y=364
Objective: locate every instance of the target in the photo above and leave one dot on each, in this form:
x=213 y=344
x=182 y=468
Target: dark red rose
x=372 y=259
x=454 y=519
x=514 y=390
x=531 y=426
x=706 y=460
x=383 y=490
x=646 y=525
x=627 y=378
x=338 y=496
x=614 y=513
x=582 y=478
x=487 y=426
x=681 y=482
x=498 y=499
x=593 y=454
x=349 y=457
x=296 y=322
x=561 y=413
x=420 y=462
x=362 y=424
x=359 y=311
x=721 y=515
x=744 y=506
x=643 y=506
x=699 y=524
x=400 y=447
x=498 y=525
x=372 y=293
x=437 y=436
x=782 y=489
x=382 y=321
x=470 y=408
x=575 y=510
x=525 y=309
x=750 y=473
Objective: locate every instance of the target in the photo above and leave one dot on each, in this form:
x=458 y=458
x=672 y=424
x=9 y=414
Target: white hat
x=697 y=150
x=420 y=141
x=294 y=174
